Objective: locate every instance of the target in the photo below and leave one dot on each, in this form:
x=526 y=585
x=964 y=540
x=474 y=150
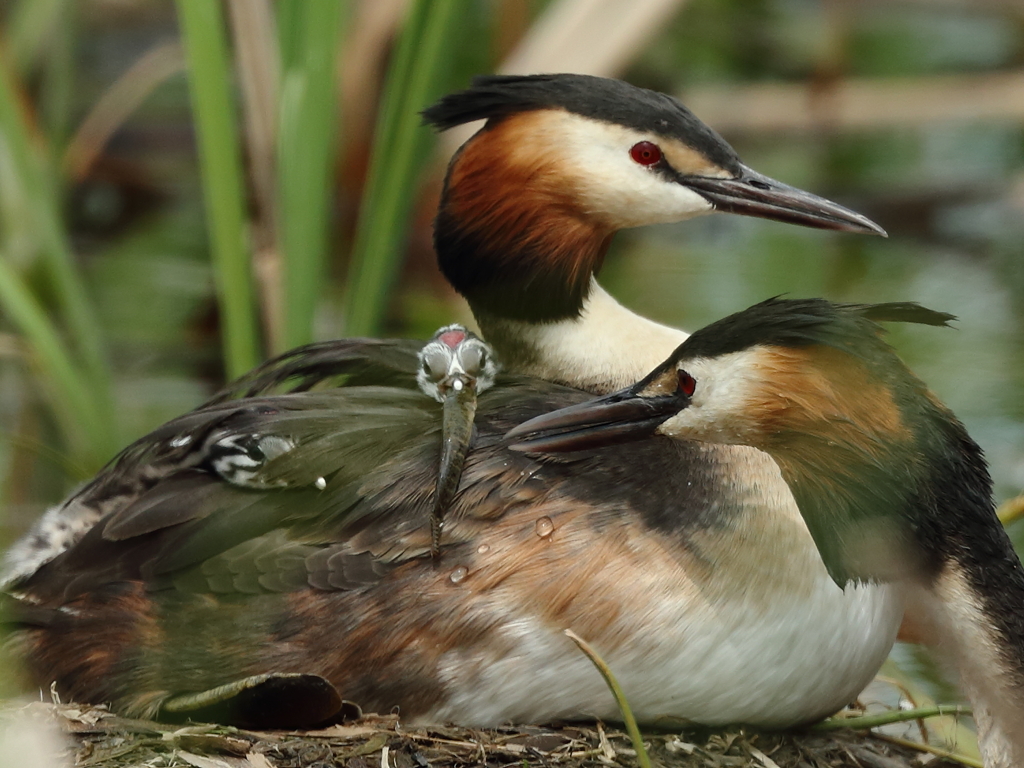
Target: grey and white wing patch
x=59 y=528
x=239 y=458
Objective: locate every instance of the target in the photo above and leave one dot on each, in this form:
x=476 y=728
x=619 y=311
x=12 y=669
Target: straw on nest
x=96 y=738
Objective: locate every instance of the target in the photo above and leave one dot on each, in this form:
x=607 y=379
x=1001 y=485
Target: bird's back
x=318 y=562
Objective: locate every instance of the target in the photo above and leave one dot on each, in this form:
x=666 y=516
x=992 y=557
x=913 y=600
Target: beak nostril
x=759 y=184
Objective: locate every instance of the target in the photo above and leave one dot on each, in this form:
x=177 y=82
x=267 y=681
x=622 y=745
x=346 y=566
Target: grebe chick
x=455 y=367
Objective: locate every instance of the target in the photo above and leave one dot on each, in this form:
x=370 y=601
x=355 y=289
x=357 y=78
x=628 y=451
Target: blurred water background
x=910 y=111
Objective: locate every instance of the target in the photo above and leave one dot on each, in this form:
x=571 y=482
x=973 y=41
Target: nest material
x=95 y=738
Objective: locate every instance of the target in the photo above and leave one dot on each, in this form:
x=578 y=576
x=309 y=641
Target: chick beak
x=621 y=417
x=754 y=194
x=457 y=429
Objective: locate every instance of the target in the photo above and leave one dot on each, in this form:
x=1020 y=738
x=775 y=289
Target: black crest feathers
x=493 y=97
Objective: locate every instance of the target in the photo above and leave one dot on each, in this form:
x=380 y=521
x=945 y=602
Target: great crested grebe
x=285 y=555
x=892 y=487
x=530 y=204
x=289 y=526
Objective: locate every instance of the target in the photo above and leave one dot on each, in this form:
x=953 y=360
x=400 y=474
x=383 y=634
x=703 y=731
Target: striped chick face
x=455 y=359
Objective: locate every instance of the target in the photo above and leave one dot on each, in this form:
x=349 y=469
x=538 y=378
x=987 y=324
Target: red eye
x=686 y=383
x=645 y=152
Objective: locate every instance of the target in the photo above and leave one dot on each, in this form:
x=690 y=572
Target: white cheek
x=612 y=185
x=719 y=410
x=707 y=423
x=629 y=195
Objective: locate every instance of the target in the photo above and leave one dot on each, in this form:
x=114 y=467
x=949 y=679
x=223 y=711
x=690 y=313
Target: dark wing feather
x=192 y=514
x=190 y=440
x=377 y=448
x=329 y=364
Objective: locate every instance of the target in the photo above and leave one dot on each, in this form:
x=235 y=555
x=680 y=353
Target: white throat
x=604 y=349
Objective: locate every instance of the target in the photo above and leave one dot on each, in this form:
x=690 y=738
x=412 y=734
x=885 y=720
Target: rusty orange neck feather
x=510 y=234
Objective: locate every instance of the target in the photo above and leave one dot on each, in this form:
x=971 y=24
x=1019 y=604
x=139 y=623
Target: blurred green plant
x=205 y=40
x=417 y=75
x=39 y=279
x=43 y=290
x=308 y=111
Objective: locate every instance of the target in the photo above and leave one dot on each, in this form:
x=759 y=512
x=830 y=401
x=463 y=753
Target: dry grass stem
x=95 y=738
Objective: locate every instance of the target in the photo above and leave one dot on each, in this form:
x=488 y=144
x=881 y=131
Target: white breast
x=751 y=630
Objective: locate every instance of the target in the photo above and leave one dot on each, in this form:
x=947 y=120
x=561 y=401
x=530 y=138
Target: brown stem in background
x=118 y=103
x=258 y=64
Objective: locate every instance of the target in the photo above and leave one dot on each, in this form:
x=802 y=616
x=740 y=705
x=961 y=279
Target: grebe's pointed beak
x=621 y=417
x=754 y=194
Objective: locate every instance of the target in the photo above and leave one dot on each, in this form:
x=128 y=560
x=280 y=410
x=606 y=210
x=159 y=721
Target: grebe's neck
x=604 y=348
x=521 y=231
x=511 y=233
x=986 y=660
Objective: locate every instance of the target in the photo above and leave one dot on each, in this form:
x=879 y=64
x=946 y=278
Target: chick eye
x=687 y=384
x=645 y=153
x=472 y=358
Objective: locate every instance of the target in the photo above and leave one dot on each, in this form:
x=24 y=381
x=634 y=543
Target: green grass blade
x=888 y=717
x=28 y=28
x=56 y=96
x=1011 y=510
x=76 y=410
x=210 y=78
x=32 y=179
x=400 y=147
x=306 y=153
x=291 y=16
x=620 y=697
